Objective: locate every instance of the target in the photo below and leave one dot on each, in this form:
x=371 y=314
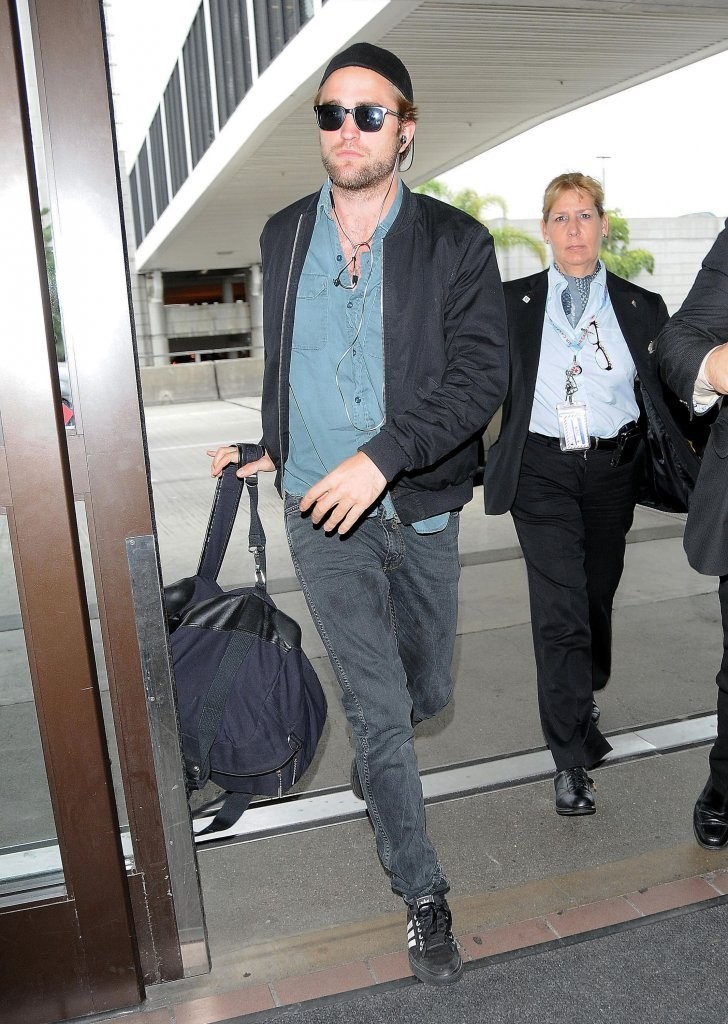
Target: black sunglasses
x=368 y=117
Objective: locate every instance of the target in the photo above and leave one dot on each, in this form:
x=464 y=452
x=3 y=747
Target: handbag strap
x=222 y=518
x=234 y=806
x=213 y=709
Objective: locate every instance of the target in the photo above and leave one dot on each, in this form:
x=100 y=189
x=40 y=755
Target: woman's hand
x=223 y=456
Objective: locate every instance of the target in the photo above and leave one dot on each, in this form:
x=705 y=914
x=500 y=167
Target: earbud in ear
x=403 y=139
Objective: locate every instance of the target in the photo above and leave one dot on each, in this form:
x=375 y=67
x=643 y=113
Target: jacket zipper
x=384 y=356
x=280 y=354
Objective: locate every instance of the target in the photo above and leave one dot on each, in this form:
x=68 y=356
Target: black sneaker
x=433 y=953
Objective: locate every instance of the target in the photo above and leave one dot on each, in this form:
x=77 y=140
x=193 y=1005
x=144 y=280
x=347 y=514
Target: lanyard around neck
x=576 y=343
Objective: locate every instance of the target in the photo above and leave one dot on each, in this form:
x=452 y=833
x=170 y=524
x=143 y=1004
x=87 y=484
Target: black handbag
x=669 y=474
x=251 y=706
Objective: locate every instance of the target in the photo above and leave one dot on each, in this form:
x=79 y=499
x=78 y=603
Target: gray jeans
x=384 y=600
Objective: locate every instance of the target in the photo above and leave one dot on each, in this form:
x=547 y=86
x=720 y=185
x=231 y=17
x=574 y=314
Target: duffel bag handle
x=222 y=518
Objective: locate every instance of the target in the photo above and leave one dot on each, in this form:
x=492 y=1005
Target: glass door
x=89 y=845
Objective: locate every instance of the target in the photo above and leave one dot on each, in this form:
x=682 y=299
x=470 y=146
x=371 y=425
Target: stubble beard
x=362 y=179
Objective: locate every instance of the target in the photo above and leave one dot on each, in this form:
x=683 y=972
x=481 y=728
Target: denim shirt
x=336 y=380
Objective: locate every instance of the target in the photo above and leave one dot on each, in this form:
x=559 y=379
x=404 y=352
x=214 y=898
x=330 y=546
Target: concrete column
x=157 y=318
x=254 y=295
x=227 y=290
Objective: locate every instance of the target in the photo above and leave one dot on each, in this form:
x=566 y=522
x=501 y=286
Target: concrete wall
x=188 y=321
x=677 y=243
x=202 y=382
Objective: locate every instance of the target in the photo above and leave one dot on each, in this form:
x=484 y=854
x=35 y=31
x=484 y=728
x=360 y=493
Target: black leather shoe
x=595 y=712
x=710 y=819
x=574 y=792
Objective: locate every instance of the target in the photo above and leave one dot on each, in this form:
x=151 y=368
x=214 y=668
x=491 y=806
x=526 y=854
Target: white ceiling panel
x=483 y=72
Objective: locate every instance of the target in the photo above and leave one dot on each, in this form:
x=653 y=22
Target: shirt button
x=357 y=400
x=353 y=351
x=339 y=258
x=349 y=305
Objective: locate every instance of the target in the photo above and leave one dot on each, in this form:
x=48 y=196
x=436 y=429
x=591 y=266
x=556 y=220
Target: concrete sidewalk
x=300 y=914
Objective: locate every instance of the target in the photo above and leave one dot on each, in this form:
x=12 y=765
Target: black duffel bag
x=251 y=706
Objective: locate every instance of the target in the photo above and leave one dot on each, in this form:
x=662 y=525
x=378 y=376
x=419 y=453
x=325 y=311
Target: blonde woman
x=569 y=463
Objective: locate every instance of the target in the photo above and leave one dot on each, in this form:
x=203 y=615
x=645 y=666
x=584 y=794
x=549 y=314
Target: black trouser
x=719 y=750
x=572 y=514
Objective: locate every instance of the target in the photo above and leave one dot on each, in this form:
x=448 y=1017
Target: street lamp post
x=604 y=170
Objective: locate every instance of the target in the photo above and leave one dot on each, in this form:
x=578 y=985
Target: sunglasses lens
x=368 y=118
x=330 y=117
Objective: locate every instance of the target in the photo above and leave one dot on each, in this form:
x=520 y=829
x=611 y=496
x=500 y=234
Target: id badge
x=573 y=430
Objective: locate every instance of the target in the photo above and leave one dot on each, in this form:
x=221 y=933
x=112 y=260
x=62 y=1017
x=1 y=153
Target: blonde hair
x=573 y=181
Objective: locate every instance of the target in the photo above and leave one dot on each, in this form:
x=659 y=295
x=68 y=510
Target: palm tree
x=616 y=255
x=469 y=201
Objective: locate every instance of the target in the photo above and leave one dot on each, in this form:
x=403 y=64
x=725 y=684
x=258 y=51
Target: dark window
x=276 y=23
x=197 y=87
x=138 y=233
x=145 y=190
x=159 y=168
x=175 y=132
x=231 y=49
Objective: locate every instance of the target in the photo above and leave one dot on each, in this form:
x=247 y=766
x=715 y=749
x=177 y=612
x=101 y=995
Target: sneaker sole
x=435 y=979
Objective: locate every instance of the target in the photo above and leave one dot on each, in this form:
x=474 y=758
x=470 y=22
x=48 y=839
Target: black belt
x=607 y=444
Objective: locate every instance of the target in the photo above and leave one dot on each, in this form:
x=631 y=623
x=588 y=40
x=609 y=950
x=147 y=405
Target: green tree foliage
x=616 y=254
x=470 y=201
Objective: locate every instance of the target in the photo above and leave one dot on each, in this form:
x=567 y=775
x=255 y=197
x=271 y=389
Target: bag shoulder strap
x=222 y=519
x=213 y=709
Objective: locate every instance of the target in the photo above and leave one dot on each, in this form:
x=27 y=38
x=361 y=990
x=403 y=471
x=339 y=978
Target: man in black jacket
x=692 y=353
x=385 y=357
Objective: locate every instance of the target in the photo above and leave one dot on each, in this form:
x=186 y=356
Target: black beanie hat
x=384 y=62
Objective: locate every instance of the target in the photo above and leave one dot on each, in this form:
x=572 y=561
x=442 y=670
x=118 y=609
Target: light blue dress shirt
x=608 y=394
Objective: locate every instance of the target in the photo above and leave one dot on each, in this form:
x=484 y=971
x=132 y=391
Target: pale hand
x=716 y=369
x=345 y=494
x=221 y=457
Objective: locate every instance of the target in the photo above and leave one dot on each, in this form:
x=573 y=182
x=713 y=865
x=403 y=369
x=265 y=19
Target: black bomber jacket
x=445 y=347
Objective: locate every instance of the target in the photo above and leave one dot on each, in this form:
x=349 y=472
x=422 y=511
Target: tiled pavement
x=476 y=943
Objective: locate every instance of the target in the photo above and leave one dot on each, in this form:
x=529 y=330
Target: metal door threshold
x=330 y=807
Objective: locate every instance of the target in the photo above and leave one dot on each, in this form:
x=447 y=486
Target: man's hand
x=716 y=369
x=345 y=493
x=221 y=457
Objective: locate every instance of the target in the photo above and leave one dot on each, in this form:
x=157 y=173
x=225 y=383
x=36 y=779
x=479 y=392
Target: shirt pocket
x=311 y=322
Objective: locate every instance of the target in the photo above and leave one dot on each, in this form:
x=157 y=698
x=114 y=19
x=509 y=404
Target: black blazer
x=640 y=314
x=699 y=325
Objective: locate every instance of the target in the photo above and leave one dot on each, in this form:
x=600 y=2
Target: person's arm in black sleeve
x=699 y=327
